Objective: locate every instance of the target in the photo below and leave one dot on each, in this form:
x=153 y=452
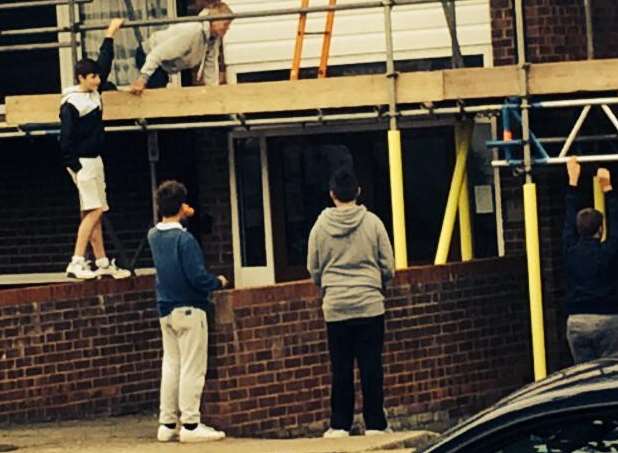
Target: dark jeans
x=159 y=78
x=363 y=339
x=592 y=336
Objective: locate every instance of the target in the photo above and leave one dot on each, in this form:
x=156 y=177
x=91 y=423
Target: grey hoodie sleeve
x=175 y=46
x=313 y=258
x=385 y=254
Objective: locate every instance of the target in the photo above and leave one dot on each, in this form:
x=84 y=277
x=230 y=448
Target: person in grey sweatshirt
x=182 y=46
x=351 y=259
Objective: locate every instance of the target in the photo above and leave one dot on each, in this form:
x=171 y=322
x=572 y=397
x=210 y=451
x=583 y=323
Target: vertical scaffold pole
x=466 y=238
x=535 y=288
x=394 y=149
x=72 y=22
x=599 y=203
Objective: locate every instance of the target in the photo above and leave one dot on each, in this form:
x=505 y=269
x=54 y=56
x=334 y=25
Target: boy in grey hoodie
x=351 y=259
x=182 y=46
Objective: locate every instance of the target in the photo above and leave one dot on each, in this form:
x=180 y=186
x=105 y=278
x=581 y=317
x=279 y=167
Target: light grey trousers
x=183 y=372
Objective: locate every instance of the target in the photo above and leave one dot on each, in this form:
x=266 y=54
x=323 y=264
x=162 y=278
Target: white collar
x=169 y=226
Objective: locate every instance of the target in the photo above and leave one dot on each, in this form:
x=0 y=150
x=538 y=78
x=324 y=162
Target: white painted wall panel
x=420 y=31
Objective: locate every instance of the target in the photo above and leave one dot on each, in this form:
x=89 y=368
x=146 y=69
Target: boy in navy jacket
x=183 y=289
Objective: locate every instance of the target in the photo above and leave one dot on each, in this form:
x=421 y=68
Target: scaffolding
x=464 y=110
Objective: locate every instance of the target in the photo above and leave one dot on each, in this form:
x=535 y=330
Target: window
x=250 y=202
x=33 y=71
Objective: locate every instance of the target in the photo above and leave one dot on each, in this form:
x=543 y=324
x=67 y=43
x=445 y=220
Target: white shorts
x=90 y=183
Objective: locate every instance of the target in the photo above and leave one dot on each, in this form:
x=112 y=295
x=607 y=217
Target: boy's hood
x=84 y=101
x=338 y=222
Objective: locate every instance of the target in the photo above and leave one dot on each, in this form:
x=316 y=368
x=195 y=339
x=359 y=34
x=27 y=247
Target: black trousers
x=361 y=339
x=159 y=79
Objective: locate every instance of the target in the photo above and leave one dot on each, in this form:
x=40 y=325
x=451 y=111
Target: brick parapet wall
x=457 y=338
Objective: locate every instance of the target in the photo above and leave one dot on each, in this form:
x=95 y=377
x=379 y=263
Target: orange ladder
x=300 y=37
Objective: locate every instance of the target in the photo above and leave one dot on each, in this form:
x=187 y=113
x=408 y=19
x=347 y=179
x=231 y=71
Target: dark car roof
x=587 y=385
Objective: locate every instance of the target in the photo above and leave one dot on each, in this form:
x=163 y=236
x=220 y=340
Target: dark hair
x=344 y=185
x=170 y=196
x=87 y=66
x=589 y=222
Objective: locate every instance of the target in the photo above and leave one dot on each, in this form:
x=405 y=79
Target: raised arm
x=569 y=232
x=106 y=51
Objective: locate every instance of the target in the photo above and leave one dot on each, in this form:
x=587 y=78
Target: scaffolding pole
x=558 y=160
x=34 y=4
x=599 y=203
x=531 y=214
x=395 y=158
x=463 y=134
x=28 y=47
x=243 y=15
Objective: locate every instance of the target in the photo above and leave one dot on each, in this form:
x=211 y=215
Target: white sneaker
x=202 y=433
x=166 y=434
x=112 y=271
x=335 y=433
x=378 y=432
x=80 y=270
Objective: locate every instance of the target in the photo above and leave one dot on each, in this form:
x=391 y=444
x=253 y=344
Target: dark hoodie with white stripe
x=82 y=133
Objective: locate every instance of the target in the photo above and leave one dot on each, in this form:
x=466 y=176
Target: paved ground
x=137 y=435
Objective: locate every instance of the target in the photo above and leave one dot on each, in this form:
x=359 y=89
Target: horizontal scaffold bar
x=336 y=92
x=37 y=3
x=558 y=160
x=153 y=22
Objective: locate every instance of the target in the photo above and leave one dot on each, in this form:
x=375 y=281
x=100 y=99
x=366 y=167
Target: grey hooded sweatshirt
x=351 y=259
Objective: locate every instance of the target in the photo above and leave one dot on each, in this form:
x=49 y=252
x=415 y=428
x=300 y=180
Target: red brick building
x=457 y=335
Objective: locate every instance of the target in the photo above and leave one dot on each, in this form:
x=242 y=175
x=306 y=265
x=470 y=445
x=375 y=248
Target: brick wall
x=457 y=338
x=555 y=31
x=214 y=200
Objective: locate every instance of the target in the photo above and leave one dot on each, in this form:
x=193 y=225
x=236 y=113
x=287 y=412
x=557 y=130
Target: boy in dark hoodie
x=82 y=141
x=592 y=302
x=351 y=259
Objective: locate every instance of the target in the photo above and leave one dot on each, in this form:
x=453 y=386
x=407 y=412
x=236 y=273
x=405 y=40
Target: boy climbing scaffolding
x=82 y=141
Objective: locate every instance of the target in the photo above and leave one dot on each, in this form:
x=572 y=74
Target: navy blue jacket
x=182 y=279
x=591 y=274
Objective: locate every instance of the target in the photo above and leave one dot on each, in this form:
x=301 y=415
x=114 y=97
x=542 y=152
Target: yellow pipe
x=462 y=140
x=534 y=281
x=397 y=199
x=465 y=224
x=599 y=203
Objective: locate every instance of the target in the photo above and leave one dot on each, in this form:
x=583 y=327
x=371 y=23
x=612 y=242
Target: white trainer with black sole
x=111 y=270
x=80 y=270
x=165 y=434
x=202 y=433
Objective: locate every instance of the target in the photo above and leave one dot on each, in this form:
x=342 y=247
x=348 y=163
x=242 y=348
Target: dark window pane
x=28 y=71
x=250 y=202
